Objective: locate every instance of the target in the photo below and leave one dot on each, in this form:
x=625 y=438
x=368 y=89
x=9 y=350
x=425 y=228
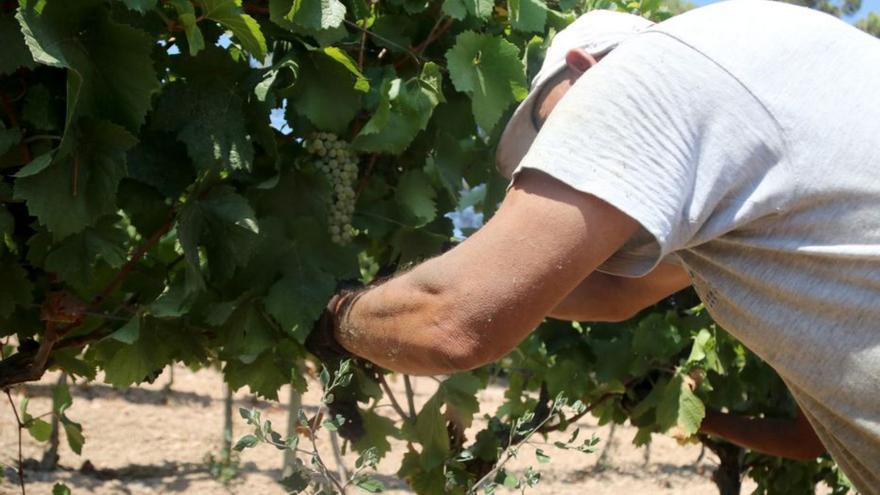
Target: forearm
x=794 y=439
x=604 y=297
x=394 y=326
x=476 y=302
x=598 y=298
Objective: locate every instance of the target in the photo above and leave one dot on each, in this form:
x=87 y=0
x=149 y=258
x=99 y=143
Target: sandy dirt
x=149 y=441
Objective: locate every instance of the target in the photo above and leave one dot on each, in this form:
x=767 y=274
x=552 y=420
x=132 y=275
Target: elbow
x=465 y=356
x=464 y=347
x=459 y=341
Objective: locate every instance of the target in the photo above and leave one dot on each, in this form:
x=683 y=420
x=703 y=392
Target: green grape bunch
x=340 y=164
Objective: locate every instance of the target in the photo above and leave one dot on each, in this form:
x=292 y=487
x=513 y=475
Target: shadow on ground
x=167 y=477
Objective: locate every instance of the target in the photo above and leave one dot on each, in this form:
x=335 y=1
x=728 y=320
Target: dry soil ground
x=147 y=441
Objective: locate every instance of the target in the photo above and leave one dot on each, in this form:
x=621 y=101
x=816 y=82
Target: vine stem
x=409 y=396
x=511 y=450
x=378 y=36
x=20 y=427
x=37 y=365
x=596 y=403
x=361 y=51
x=439 y=29
x=337 y=456
x=255 y=9
x=396 y=405
x=135 y=258
x=38 y=137
x=366 y=178
x=583 y=413
x=313 y=427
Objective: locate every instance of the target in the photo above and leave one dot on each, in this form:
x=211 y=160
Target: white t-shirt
x=745 y=138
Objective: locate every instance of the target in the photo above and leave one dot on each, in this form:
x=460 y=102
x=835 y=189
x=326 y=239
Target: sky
x=867 y=6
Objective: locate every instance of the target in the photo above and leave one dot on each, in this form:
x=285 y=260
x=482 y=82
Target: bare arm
x=604 y=297
x=794 y=439
x=476 y=302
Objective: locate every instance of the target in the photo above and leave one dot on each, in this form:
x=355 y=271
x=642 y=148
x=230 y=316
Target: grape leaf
x=16 y=289
x=569 y=374
x=459 y=392
x=263 y=376
x=705 y=351
x=8 y=138
x=246 y=442
x=127 y=364
x=325 y=92
x=74 y=258
x=128 y=333
x=141 y=6
x=277 y=72
x=489 y=70
x=679 y=406
x=15 y=52
x=459 y=9
x=378 y=429
x=396 y=32
x=111 y=72
x=430 y=431
x=161 y=162
x=186 y=15
x=244 y=27
x=415 y=194
x=479 y=8
x=39 y=109
x=449 y=161
x=656 y=337
x=308 y=15
x=455 y=9
x=311 y=245
x=298 y=478
x=297 y=301
x=146 y=208
x=361 y=83
x=527 y=15
x=7 y=224
x=246 y=333
x=423 y=481
x=39 y=429
x=225 y=224
x=79 y=186
x=74 y=433
x=642 y=437
x=413 y=245
x=404 y=109
x=370 y=485
x=209 y=119
x=67 y=360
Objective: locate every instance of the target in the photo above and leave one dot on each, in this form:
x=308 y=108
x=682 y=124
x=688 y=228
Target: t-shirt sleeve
x=667 y=136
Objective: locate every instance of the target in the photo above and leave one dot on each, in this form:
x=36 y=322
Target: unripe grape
x=333 y=157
